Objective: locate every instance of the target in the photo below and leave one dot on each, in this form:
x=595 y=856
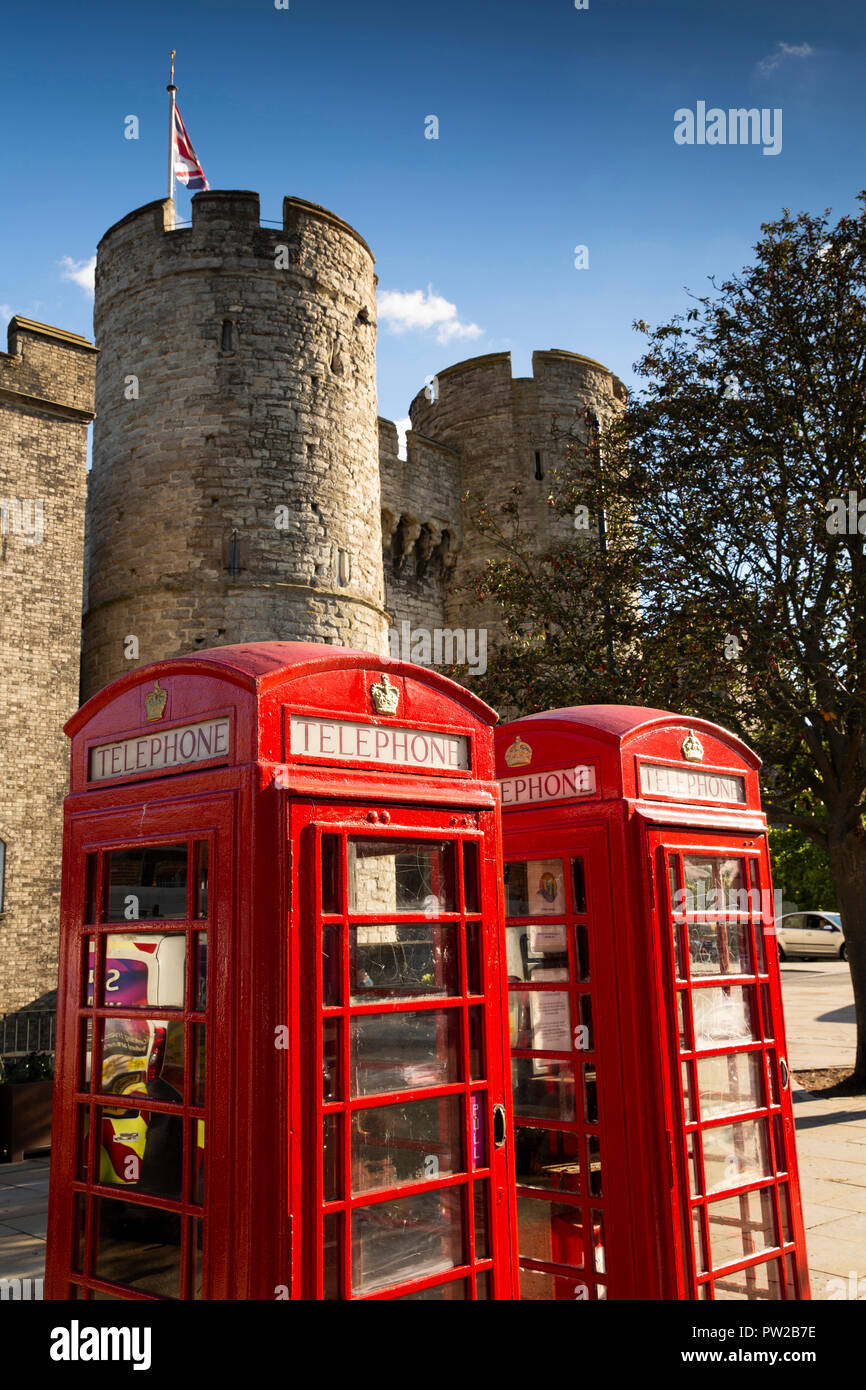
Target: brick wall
x=46 y=402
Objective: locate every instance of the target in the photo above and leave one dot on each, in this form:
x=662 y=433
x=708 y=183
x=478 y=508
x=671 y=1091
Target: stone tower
x=46 y=404
x=479 y=430
x=234 y=495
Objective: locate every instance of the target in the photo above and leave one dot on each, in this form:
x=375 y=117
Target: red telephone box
x=282 y=1032
x=654 y=1137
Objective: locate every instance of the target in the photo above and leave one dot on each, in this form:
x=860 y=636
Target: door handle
x=499 y=1127
x=783 y=1068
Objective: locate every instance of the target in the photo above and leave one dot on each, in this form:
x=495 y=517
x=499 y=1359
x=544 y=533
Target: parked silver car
x=811 y=934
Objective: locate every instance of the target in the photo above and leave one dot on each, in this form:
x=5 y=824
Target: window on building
x=539 y=467
x=227 y=339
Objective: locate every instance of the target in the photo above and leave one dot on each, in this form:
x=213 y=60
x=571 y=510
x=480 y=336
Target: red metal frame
x=579 y=1265
x=310 y=822
x=701 y=1274
x=625 y=835
x=263 y=813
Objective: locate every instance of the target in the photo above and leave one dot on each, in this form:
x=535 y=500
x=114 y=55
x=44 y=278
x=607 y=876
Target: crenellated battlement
x=482 y=386
x=226 y=235
x=227 y=210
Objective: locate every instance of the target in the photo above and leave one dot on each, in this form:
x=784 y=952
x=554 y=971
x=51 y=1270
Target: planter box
x=25 y=1118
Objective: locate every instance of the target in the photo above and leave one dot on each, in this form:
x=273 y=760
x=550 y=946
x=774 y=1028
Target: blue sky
x=555 y=130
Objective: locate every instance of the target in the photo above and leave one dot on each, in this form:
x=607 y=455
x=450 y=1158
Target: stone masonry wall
x=421 y=528
x=46 y=403
x=505 y=431
x=236 y=377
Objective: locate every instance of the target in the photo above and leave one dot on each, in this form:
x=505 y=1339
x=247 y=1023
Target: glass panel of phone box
x=560 y=1186
x=398 y=973
x=142 y=1040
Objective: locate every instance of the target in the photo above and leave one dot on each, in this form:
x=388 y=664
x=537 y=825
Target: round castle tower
x=234 y=494
x=506 y=430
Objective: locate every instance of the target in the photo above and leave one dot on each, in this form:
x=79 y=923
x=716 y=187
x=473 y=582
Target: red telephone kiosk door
x=146 y=890
x=732 y=1120
x=401 y=1015
x=282 y=1051
x=564 y=1051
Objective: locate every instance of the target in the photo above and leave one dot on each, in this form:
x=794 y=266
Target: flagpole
x=171 y=89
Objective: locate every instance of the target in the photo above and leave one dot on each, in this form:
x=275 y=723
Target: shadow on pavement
x=843 y=1015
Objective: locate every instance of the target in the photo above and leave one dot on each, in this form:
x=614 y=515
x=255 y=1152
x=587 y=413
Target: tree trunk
x=847 y=855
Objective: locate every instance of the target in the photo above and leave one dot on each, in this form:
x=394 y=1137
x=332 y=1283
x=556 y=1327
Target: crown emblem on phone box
x=385 y=696
x=518 y=753
x=154 y=702
x=692 y=749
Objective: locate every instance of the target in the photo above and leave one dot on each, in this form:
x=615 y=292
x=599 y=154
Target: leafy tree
x=800 y=867
x=732 y=583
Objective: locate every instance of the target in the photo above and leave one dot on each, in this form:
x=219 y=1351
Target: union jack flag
x=186 y=166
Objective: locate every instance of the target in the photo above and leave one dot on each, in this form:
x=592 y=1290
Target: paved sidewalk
x=831 y=1134
x=23 y=1218
x=831 y=1151
x=819 y=1014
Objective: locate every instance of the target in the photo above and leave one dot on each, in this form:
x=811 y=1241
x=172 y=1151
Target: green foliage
x=801 y=869
x=36 y=1066
x=720 y=591
x=723 y=589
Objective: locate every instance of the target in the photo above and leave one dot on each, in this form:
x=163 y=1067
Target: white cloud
x=82 y=272
x=402 y=426
x=5 y=313
x=780 y=53
x=416 y=311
